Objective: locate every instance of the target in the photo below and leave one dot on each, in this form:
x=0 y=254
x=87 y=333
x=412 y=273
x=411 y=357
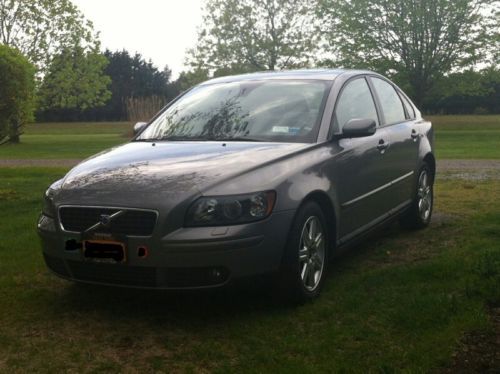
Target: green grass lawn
x=456 y=137
x=400 y=301
x=467 y=137
x=66 y=140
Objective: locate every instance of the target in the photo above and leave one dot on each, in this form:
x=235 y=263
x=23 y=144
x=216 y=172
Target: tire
x=420 y=213
x=305 y=259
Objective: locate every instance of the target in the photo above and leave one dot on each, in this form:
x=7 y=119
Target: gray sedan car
x=267 y=173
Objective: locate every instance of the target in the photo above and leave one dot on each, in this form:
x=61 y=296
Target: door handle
x=414 y=134
x=382 y=145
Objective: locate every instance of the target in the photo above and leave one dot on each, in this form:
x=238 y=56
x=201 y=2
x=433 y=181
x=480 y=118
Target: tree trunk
x=14 y=139
x=15 y=133
x=419 y=92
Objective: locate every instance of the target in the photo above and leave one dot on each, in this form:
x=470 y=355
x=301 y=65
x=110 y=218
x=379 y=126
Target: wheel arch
x=430 y=160
x=327 y=206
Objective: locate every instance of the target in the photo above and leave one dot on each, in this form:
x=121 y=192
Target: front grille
x=113 y=274
x=132 y=222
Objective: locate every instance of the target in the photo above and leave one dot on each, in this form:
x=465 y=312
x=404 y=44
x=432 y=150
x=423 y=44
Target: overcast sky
x=161 y=30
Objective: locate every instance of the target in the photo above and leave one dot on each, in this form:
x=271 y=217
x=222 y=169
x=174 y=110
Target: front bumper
x=185 y=258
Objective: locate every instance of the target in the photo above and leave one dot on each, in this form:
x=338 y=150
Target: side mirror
x=139 y=126
x=358 y=128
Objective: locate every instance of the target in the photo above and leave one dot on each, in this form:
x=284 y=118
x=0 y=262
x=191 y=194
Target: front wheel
x=420 y=212
x=306 y=255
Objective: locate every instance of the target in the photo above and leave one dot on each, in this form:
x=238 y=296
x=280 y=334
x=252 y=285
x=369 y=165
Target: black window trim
x=403 y=97
x=380 y=105
x=333 y=126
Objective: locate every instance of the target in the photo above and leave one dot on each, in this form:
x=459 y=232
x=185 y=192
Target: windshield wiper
x=238 y=139
x=187 y=138
x=172 y=138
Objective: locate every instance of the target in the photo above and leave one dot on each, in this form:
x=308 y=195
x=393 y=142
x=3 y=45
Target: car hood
x=169 y=169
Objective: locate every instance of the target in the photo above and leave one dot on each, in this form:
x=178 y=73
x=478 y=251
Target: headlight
x=48 y=196
x=230 y=210
x=48 y=206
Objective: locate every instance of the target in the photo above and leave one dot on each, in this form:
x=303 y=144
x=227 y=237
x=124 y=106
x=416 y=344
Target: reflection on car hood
x=173 y=167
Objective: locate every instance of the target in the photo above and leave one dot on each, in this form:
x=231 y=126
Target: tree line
x=124 y=77
x=444 y=53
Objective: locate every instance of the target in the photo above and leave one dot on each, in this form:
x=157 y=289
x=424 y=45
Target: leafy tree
x=133 y=76
x=16 y=93
x=415 y=41
x=466 y=92
x=42 y=28
x=249 y=35
x=75 y=80
x=188 y=79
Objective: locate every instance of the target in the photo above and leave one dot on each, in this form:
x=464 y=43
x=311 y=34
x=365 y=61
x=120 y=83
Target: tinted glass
x=272 y=110
x=408 y=106
x=355 y=102
x=390 y=101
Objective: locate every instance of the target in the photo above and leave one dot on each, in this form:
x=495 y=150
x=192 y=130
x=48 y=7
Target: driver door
x=359 y=163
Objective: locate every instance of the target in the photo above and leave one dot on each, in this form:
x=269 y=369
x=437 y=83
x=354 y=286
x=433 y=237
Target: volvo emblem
x=105 y=219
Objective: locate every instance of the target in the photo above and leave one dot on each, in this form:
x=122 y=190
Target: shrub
x=17 y=86
x=481 y=110
x=143 y=108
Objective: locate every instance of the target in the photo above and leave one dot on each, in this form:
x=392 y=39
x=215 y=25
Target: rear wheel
x=306 y=255
x=419 y=214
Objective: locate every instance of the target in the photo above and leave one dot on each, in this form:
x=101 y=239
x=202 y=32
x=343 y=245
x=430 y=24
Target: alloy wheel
x=312 y=253
x=424 y=195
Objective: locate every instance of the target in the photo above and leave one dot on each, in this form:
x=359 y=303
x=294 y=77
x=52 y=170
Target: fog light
x=215 y=273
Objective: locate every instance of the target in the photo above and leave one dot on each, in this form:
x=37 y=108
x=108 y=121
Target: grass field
x=66 y=140
x=456 y=137
x=401 y=301
x=467 y=137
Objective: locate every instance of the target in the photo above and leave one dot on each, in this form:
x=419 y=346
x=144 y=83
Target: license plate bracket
x=105 y=251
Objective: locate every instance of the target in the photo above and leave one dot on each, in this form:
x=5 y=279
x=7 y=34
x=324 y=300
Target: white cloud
x=160 y=30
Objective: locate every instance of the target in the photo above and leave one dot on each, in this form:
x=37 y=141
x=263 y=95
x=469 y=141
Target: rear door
x=401 y=137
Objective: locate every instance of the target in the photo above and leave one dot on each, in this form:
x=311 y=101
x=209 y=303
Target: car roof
x=318 y=74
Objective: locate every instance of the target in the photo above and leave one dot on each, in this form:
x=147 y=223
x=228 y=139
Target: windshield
x=269 y=110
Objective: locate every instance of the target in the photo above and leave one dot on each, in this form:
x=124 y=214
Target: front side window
x=392 y=107
x=267 y=110
x=355 y=102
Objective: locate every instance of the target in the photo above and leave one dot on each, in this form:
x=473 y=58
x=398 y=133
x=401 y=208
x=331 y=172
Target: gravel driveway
x=473 y=170
x=450 y=165
x=65 y=162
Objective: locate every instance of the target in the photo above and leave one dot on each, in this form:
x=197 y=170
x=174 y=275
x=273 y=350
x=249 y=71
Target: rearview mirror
x=358 y=128
x=139 y=126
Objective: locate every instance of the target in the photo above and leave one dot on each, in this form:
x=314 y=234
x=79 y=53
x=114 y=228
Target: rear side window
x=355 y=101
x=392 y=107
x=408 y=106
